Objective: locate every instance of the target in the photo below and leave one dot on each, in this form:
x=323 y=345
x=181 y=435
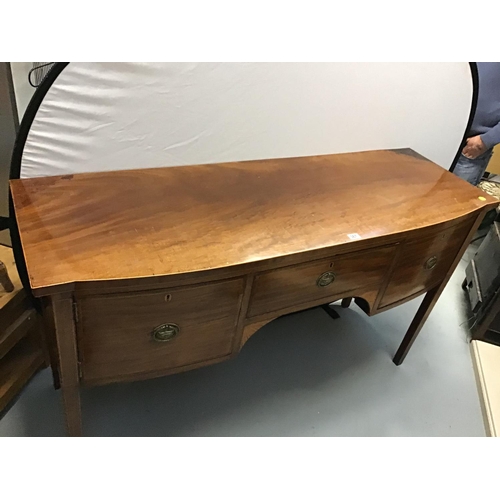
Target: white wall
x=102 y=116
x=22 y=89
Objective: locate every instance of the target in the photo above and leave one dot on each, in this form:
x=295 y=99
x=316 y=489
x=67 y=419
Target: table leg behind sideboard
x=68 y=362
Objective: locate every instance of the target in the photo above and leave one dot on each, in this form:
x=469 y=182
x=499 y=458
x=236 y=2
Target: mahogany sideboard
x=149 y=272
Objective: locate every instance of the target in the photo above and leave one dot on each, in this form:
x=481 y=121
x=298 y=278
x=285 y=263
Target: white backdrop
x=111 y=116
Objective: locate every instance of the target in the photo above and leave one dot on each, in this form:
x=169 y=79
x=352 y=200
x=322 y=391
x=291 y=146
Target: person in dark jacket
x=485 y=131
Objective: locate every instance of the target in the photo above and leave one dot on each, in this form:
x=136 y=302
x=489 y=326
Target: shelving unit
x=17 y=368
x=21 y=347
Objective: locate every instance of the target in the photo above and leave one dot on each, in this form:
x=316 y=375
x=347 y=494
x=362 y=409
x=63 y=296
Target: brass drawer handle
x=431 y=263
x=165 y=332
x=326 y=279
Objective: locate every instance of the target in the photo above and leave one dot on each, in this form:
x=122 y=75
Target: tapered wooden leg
x=68 y=363
x=72 y=410
x=432 y=297
x=416 y=325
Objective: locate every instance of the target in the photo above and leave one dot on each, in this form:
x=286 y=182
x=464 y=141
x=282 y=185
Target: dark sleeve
x=492 y=137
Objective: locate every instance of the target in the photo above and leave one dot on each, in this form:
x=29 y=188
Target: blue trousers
x=472 y=170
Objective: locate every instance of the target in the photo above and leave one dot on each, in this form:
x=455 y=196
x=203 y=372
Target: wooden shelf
x=21 y=354
x=17 y=316
x=17 y=331
x=17 y=368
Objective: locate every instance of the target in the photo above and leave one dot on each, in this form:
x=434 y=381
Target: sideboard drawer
x=133 y=333
x=424 y=260
x=322 y=280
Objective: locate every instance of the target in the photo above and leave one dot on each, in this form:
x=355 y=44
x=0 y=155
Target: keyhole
x=168 y=297
x=331 y=264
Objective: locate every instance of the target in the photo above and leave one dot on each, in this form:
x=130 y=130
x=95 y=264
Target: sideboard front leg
x=416 y=325
x=433 y=295
x=68 y=363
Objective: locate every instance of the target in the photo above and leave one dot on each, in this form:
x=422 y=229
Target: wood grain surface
x=166 y=221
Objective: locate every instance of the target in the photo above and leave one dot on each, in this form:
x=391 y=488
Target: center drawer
x=321 y=280
x=140 y=332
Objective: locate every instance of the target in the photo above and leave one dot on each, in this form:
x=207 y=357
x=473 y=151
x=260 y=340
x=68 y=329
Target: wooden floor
x=486 y=358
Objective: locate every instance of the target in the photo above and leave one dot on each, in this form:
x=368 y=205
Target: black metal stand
x=482 y=285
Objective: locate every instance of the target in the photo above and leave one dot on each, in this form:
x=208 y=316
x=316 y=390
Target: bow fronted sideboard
x=143 y=273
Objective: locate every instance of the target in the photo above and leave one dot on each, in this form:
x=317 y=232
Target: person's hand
x=474 y=147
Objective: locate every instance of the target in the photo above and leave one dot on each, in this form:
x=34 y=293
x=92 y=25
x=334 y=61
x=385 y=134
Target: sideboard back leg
x=331 y=312
x=346 y=302
x=68 y=363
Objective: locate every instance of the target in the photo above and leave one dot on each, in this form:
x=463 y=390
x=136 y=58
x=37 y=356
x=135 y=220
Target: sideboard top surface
x=165 y=221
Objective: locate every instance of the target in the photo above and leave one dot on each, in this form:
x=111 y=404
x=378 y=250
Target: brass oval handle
x=165 y=332
x=326 y=279
x=431 y=263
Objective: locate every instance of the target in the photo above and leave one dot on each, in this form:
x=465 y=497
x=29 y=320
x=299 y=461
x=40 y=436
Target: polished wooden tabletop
x=164 y=221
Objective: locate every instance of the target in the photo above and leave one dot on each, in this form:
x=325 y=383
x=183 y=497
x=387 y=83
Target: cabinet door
x=125 y=334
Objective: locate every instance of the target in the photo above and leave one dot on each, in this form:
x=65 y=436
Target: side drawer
x=131 y=333
x=322 y=280
x=424 y=260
